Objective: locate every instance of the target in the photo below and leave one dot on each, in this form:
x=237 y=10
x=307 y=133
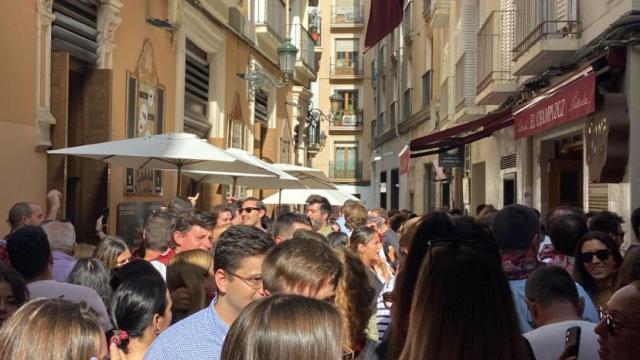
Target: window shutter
x=74 y=29
x=196 y=91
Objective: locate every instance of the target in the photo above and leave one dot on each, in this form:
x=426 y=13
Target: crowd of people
x=328 y=284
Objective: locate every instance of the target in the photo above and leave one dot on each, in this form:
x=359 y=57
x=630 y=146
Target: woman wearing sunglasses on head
x=597 y=261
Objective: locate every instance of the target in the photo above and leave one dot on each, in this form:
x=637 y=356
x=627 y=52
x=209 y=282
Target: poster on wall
x=145 y=117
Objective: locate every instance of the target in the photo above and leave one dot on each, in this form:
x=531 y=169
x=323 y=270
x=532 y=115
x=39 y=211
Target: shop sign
x=405 y=156
x=453 y=158
x=568 y=103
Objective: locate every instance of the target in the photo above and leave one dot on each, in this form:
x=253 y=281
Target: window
x=261 y=107
x=349 y=102
x=346 y=164
x=347 y=53
x=196 y=91
x=426 y=88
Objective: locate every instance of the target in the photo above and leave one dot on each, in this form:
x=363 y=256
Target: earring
x=157 y=331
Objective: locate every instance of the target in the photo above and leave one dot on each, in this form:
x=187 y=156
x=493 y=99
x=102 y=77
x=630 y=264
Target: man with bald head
x=619 y=330
x=62 y=239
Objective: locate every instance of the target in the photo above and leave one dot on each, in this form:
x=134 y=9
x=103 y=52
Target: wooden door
x=57 y=164
x=565 y=183
x=93 y=126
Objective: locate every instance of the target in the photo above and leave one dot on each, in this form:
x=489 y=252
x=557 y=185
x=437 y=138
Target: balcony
x=347 y=123
x=436 y=12
x=269 y=25
x=344 y=69
x=315 y=27
x=544 y=37
x=347 y=16
x=495 y=41
x=306 y=57
x=339 y=170
x=465 y=108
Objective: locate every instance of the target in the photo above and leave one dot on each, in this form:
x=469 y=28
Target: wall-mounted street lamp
x=287 y=60
x=317 y=139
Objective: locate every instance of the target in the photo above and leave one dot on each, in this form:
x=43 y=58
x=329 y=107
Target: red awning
x=572 y=99
x=460 y=135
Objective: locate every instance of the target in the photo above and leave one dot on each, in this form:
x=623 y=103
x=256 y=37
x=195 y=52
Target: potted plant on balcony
x=315 y=35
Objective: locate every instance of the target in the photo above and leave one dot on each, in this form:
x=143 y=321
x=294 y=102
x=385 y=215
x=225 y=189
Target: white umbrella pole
x=279 y=202
x=233 y=191
x=179 y=180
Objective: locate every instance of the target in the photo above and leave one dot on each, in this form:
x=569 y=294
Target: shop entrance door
x=565 y=183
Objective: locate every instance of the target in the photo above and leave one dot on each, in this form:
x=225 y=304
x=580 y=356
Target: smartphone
x=572 y=340
x=105 y=216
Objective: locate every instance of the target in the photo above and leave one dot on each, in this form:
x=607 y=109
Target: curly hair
x=354 y=297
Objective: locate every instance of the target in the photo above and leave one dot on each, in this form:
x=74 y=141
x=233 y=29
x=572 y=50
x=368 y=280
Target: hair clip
x=119 y=337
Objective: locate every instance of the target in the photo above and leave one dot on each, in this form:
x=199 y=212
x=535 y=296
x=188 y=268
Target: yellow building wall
x=129 y=39
x=23 y=168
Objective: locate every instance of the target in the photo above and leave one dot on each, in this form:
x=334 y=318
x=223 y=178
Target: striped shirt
x=383 y=313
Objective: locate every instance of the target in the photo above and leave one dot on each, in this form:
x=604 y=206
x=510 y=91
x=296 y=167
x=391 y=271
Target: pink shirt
x=75 y=293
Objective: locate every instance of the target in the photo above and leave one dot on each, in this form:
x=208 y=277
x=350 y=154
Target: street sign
x=453 y=158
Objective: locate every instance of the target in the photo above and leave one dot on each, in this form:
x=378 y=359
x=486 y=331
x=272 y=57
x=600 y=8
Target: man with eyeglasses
x=238 y=258
x=619 y=330
x=253 y=210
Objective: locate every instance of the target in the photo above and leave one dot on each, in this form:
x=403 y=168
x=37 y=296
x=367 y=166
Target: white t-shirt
x=548 y=341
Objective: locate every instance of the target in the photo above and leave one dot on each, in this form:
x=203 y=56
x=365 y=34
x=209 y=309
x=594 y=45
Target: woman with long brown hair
x=462 y=297
x=353 y=301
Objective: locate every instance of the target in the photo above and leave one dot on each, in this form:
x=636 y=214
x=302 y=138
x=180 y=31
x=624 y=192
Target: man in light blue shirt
x=237 y=265
x=515 y=229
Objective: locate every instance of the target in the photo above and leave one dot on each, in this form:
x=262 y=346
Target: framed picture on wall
x=145 y=117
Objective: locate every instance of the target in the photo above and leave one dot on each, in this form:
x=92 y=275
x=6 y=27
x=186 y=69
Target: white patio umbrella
x=173 y=151
x=299 y=196
x=312 y=178
x=279 y=180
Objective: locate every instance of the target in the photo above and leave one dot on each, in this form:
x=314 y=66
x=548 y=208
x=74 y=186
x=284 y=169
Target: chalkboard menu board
x=132 y=217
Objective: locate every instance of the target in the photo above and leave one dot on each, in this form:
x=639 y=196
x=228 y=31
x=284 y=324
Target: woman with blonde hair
x=285 y=327
x=52 y=329
x=192 y=269
x=354 y=296
x=113 y=252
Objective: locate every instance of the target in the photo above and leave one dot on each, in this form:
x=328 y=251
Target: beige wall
x=129 y=38
x=23 y=167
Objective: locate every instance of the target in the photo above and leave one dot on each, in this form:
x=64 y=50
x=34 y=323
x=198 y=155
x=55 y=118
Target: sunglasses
x=249 y=209
x=611 y=323
x=587 y=257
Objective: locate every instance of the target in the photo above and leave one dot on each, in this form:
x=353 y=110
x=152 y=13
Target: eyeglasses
x=348 y=355
x=485 y=246
x=249 y=209
x=611 y=323
x=254 y=282
x=587 y=257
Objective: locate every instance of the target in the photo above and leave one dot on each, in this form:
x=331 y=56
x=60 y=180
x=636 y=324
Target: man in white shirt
x=30 y=255
x=552 y=298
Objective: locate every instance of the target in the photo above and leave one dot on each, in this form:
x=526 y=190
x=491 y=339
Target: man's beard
x=316 y=225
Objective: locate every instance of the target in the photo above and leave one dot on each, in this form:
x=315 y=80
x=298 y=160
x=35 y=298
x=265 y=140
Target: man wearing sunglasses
x=253 y=210
x=619 y=329
x=610 y=223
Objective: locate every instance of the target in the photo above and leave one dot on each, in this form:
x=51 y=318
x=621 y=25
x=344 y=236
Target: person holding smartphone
x=556 y=310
